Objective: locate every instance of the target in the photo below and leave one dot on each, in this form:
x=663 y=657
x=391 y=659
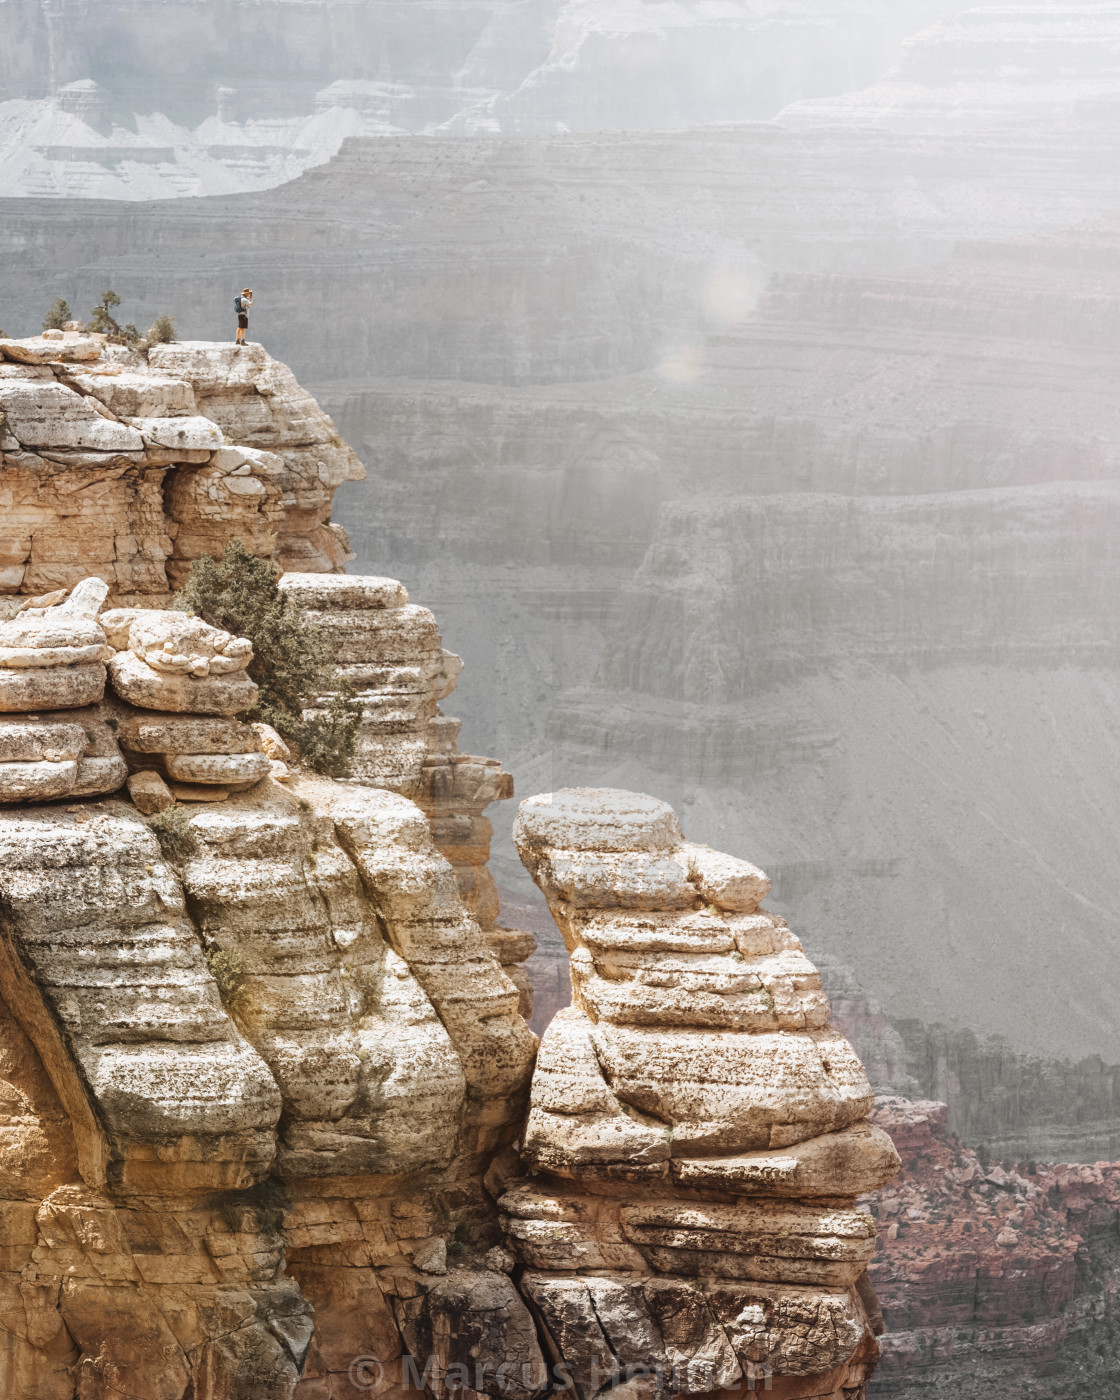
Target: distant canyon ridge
x=130 y=100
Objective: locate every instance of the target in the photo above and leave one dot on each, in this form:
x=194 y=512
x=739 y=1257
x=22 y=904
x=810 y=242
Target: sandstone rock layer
x=697 y=1133
x=132 y=466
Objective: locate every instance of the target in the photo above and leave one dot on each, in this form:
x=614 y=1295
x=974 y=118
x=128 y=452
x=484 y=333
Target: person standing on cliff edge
x=241 y=305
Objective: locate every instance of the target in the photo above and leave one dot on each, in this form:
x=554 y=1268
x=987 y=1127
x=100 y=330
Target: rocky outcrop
x=124 y=465
x=257 y=1053
x=995 y=1277
x=253 y=1075
x=392 y=654
x=697 y=1133
x=262 y=1040
x=303 y=1019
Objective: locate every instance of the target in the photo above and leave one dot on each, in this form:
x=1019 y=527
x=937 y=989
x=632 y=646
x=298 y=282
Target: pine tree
x=101 y=320
x=58 y=315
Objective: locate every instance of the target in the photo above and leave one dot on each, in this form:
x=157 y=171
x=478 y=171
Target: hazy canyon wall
x=561 y=360
x=140 y=101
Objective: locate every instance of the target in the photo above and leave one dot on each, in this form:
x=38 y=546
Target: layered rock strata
x=392 y=653
x=126 y=465
x=996 y=1277
x=163 y=661
x=53 y=738
x=299 y=1025
x=53 y=653
x=697 y=1133
x=251 y=1075
x=261 y=1063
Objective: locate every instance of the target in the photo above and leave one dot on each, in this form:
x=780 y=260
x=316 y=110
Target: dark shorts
x=242 y=321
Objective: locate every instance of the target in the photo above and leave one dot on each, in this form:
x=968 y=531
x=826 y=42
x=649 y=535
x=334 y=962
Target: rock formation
x=966 y=405
x=263 y=1055
x=391 y=652
x=297 y=1023
x=254 y=1070
x=125 y=464
x=996 y=1278
x=697 y=1133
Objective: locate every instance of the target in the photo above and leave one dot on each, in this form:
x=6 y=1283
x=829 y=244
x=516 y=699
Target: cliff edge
x=269 y=1120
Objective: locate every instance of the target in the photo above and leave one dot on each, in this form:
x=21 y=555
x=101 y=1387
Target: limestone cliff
x=263 y=1051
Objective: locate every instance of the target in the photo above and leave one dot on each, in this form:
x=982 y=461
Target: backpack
x=237 y=304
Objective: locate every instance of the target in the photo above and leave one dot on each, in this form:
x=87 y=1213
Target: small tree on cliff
x=58 y=315
x=101 y=318
x=302 y=694
x=103 y=322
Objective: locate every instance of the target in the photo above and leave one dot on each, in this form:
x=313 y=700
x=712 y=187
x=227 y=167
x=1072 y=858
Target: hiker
x=241 y=305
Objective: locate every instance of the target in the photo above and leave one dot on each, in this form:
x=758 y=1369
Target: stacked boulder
x=178 y=684
x=183 y=681
x=392 y=653
x=698 y=1133
x=53 y=741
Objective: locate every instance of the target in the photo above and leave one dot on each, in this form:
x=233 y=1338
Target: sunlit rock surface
x=697 y=1132
x=257 y=1052
x=133 y=465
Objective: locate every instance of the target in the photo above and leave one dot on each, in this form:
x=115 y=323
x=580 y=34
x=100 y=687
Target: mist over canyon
x=136 y=100
x=769 y=466
x=735 y=380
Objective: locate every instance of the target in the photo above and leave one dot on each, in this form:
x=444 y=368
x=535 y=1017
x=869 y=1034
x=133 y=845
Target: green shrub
x=172 y=829
x=302 y=694
x=162 y=330
x=227 y=967
x=58 y=315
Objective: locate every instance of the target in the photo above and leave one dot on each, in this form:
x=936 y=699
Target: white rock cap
x=330 y=591
x=597 y=819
